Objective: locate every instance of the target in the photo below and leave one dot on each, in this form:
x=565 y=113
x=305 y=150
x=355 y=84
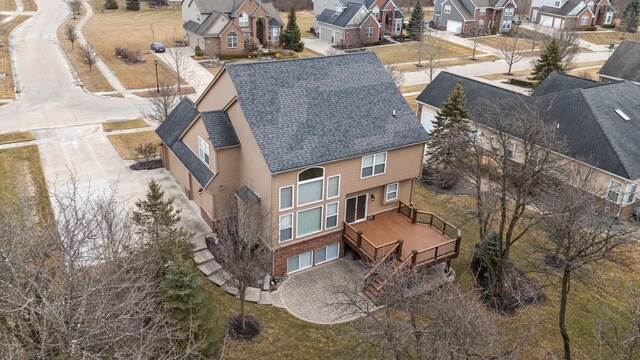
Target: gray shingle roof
x=274 y=16
x=169 y=132
x=557 y=82
x=624 y=63
x=315 y=110
x=341 y=19
x=247 y=195
x=594 y=133
x=562 y=11
x=218 y=7
x=219 y=128
x=366 y=3
x=202 y=29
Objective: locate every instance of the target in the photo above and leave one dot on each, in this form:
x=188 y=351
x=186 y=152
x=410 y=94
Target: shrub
x=590 y=28
x=132 y=56
x=494 y=30
x=284 y=57
x=111 y=4
x=520 y=82
x=133 y=5
x=609 y=26
x=198 y=51
x=250 y=46
x=119 y=52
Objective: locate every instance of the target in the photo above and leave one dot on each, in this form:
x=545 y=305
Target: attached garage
x=454 y=26
x=326 y=34
x=546 y=20
x=427 y=119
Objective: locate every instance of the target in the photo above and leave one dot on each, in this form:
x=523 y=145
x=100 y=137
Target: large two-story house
x=223 y=26
x=600 y=123
x=356 y=22
x=571 y=14
x=465 y=16
x=327 y=145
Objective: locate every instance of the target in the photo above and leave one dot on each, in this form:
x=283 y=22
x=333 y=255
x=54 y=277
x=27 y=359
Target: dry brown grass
x=514 y=74
x=16 y=137
x=496 y=42
x=125 y=144
x=7 y=5
x=6 y=84
x=308 y=53
x=412 y=88
x=607 y=37
x=452 y=62
x=122 y=125
x=305 y=20
x=93 y=81
x=411 y=100
x=591 y=73
x=185 y=90
x=586 y=64
x=134 y=30
x=29 y=5
x=408 y=52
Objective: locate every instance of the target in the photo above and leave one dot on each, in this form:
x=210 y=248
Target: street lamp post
x=155 y=62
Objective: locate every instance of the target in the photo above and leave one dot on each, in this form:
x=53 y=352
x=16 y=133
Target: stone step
x=219 y=277
x=202 y=256
x=209 y=267
x=199 y=243
x=229 y=289
x=265 y=298
x=266 y=285
x=251 y=294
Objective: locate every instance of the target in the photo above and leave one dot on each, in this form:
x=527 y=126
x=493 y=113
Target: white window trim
x=322 y=178
x=327 y=260
x=280 y=197
x=300 y=269
x=619 y=191
x=240 y=20
x=205 y=150
x=339 y=180
x=584 y=20
x=482 y=11
x=447 y=9
x=229 y=37
x=386 y=192
x=297 y=236
x=630 y=195
x=510 y=144
x=198 y=17
x=369 y=34
x=386 y=160
x=337 y=215
x=292 y=227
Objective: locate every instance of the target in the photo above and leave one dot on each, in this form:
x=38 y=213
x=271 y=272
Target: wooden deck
x=393 y=226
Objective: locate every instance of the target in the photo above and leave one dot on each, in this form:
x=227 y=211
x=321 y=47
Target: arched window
x=232 y=40
x=310 y=186
x=244 y=19
x=376 y=12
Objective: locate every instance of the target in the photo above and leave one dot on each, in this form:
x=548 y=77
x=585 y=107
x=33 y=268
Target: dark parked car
x=157 y=47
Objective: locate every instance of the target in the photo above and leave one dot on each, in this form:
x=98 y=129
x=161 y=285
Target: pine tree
x=189 y=310
x=449 y=145
x=111 y=4
x=631 y=18
x=157 y=221
x=549 y=61
x=291 y=34
x=416 y=26
x=133 y=5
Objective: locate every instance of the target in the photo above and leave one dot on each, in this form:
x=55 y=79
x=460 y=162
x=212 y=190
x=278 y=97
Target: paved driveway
x=196 y=75
x=312 y=295
x=320 y=46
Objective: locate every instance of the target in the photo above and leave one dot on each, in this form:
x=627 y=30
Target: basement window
x=622 y=114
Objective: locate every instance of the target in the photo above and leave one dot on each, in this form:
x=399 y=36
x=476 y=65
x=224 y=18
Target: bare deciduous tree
x=536 y=35
x=431 y=45
x=509 y=50
x=620 y=338
x=178 y=58
x=76 y=7
x=476 y=35
x=71 y=34
x=88 y=55
x=145 y=152
x=161 y=102
x=396 y=76
x=569 y=44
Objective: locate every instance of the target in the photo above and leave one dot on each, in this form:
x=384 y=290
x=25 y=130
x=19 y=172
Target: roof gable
x=219 y=128
x=624 y=63
x=557 y=82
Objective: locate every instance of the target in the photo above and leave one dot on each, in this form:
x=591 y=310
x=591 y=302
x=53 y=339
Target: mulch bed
x=147 y=165
x=252 y=328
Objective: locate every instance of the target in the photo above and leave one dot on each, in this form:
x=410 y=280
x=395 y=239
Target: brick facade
x=283 y=253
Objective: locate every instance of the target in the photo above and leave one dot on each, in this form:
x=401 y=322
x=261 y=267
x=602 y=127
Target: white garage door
x=326 y=34
x=546 y=20
x=454 y=26
x=427 y=119
x=338 y=37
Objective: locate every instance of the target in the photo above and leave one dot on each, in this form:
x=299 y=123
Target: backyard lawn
x=304 y=19
x=607 y=37
x=125 y=144
x=408 y=52
x=496 y=41
x=6 y=84
x=133 y=30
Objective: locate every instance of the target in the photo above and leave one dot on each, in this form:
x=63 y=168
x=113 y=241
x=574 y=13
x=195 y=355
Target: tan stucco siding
x=226 y=181
x=219 y=95
x=190 y=138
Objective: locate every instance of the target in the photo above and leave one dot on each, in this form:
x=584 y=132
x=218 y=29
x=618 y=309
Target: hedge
x=520 y=82
x=609 y=26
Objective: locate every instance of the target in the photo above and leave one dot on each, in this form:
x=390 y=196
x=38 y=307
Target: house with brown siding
x=225 y=26
x=327 y=145
x=600 y=123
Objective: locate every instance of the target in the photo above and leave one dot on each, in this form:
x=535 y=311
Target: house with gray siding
x=469 y=16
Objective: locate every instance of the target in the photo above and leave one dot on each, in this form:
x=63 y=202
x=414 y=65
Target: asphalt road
x=49 y=95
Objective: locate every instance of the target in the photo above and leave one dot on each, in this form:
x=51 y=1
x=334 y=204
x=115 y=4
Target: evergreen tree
x=291 y=34
x=189 y=310
x=133 y=5
x=549 y=61
x=157 y=223
x=449 y=145
x=415 y=26
x=631 y=18
x=111 y=4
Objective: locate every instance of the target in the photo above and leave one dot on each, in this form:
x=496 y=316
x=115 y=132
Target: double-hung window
x=392 y=192
x=375 y=164
x=369 y=31
x=232 y=40
x=286 y=198
x=511 y=149
x=333 y=186
x=286 y=228
x=584 y=20
x=310 y=186
x=331 y=218
x=614 y=191
x=275 y=34
x=309 y=221
x=203 y=150
x=631 y=194
x=447 y=9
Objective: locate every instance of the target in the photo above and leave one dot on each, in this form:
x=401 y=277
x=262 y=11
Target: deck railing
x=427 y=218
x=371 y=251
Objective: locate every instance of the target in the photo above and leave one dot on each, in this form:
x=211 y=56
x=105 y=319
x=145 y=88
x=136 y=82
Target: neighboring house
x=356 y=22
x=623 y=64
x=571 y=14
x=465 y=16
x=327 y=145
x=601 y=125
x=223 y=26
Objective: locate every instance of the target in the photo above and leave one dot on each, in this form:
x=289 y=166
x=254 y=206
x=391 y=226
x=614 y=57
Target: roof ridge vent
x=622 y=114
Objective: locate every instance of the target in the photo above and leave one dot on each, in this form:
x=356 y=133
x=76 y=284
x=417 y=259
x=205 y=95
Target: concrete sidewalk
x=193 y=73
